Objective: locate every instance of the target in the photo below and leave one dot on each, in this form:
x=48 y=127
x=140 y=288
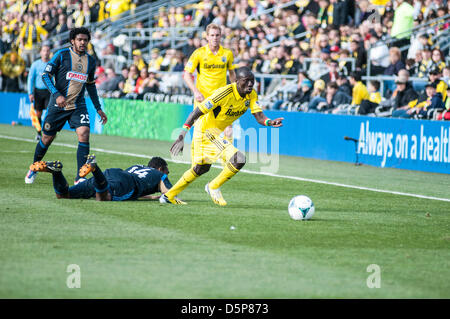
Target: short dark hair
x=356 y=75
x=76 y=31
x=333 y=85
x=157 y=162
x=375 y=84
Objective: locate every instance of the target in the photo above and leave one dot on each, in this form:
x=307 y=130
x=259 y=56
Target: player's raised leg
x=231 y=168
x=59 y=181
x=100 y=182
x=39 y=153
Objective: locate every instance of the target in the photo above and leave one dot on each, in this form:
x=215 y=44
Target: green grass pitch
x=143 y=249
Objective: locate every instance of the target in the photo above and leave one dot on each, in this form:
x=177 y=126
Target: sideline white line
x=246 y=171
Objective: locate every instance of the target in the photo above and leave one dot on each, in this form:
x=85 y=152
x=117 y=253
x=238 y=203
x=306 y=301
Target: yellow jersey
x=224 y=107
x=375 y=97
x=211 y=69
x=359 y=93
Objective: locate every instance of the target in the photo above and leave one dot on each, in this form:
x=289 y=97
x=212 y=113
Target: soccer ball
x=301 y=207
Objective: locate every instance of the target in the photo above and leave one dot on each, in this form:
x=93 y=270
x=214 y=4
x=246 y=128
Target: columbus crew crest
x=247 y=103
x=224 y=59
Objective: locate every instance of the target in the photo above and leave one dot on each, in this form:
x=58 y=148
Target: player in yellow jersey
x=211 y=63
x=213 y=115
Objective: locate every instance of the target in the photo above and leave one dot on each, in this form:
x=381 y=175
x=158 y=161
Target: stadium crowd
x=324 y=43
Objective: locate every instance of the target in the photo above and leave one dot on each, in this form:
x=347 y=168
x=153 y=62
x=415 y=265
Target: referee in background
x=38 y=93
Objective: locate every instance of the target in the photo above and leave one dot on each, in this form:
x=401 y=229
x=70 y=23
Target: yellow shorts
x=207 y=148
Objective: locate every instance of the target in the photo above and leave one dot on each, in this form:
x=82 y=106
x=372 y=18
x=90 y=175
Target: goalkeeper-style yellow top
x=211 y=69
x=224 y=107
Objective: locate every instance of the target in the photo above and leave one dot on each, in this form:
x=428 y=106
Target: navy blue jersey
x=129 y=184
x=147 y=180
x=73 y=73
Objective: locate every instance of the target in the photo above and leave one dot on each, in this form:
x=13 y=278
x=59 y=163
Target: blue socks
x=40 y=151
x=82 y=153
x=60 y=184
x=100 y=182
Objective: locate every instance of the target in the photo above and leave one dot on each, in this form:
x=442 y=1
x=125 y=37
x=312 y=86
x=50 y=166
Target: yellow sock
x=188 y=177
x=228 y=172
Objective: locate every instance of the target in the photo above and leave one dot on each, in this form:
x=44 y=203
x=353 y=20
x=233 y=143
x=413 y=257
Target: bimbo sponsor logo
x=75 y=76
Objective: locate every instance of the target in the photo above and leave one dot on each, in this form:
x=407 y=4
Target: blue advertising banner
x=384 y=142
x=15 y=107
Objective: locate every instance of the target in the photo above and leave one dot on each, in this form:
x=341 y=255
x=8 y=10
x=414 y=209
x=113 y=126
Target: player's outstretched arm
x=264 y=120
x=178 y=145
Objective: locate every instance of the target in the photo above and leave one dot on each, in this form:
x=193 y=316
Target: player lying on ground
x=214 y=114
x=114 y=184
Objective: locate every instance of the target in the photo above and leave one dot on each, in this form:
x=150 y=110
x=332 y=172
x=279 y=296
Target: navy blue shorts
x=120 y=184
x=57 y=117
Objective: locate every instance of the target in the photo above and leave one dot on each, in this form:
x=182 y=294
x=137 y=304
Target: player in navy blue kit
x=73 y=71
x=114 y=184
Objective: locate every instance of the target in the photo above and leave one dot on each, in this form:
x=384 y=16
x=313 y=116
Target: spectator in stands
x=396 y=64
x=207 y=17
x=31 y=34
x=333 y=98
x=434 y=101
x=431 y=100
x=142 y=42
x=130 y=82
x=441 y=86
x=379 y=55
x=332 y=74
x=317 y=95
x=403 y=23
x=359 y=91
x=437 y=58
x=426 y=63
x=446 y=75
x=295 y=27
x=446 y=114
x=138 y=61
x=82 y=16
x=155 y=59
x=152 y=85
x=359 y=53
x=116 y=7
x=141 y=81
x=111 y=83
x=404 y=97
x=169 y=61
x=100 y=75
x=368 y=106
x=303 y=93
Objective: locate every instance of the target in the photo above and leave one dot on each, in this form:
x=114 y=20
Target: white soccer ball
x=301 y=207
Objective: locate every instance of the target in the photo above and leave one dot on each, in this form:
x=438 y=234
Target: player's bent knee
x=83 y=134
x=238 y=160
x=201 y=169
x=47 y=139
